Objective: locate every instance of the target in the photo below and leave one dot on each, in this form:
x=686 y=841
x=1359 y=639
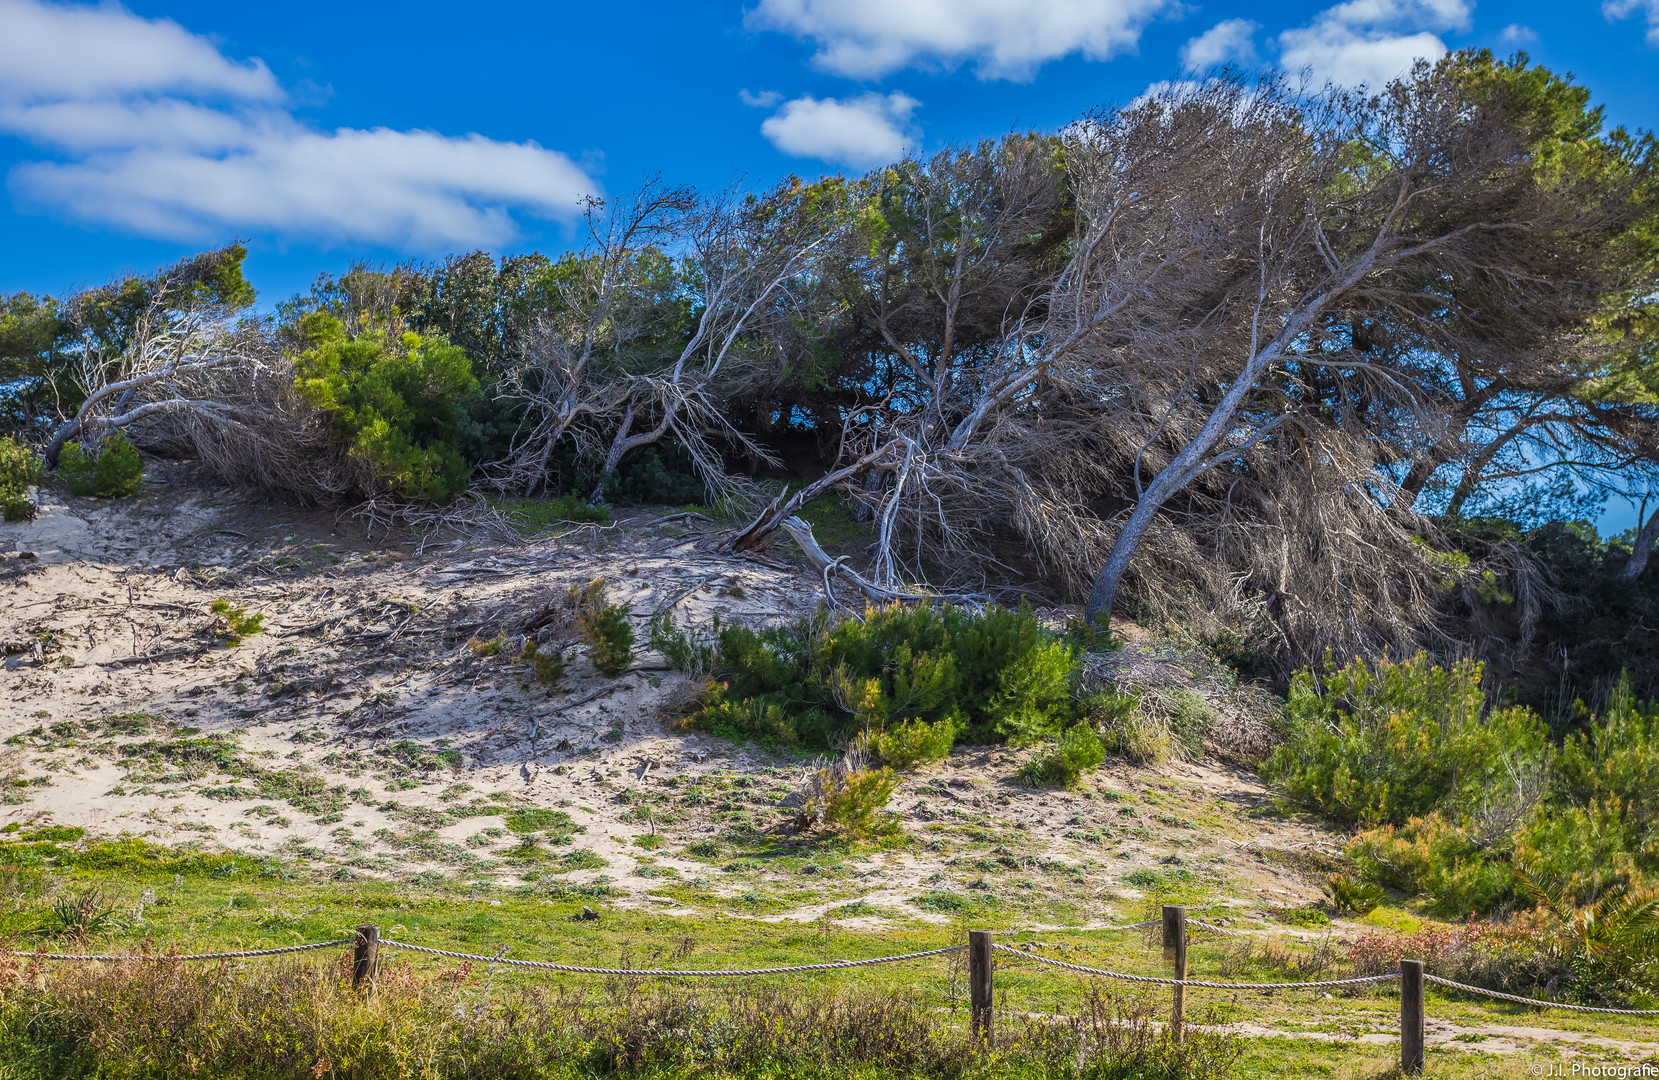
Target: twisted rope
x=1533 y=1001
x=1194 y=982
x=667 y=973
x=189 y=956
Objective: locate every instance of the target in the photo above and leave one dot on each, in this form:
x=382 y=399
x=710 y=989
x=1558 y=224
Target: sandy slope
x=365 y=650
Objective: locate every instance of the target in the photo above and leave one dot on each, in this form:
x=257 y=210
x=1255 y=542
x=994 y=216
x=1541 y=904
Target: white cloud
x=862 y=132
x=1006 y=39
x=766 y=99
x=1517 y=34
x=1232 y=41
x=1368 y=42
x=160 y=133
x=78 y=51
x=1624 y=9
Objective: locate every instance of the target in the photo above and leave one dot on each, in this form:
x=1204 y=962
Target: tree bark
x=1643 y=547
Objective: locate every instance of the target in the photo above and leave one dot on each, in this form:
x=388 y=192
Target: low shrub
x=1454 y=795
x=848 y=798
x=605 y=628
x=996 y=675
x=1433 y=856
x=1349 y=896
x=399 y=401
x=910 y=743
x=234 y=623
x=113 y=472
x=1079 y=751
x=1399 y=741
x=20 y=469
x=547 y=667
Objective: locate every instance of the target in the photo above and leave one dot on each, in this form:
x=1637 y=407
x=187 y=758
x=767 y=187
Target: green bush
x=1598 y=824
x=1153 y=726
x=660 y=475
x=1401 y=741
x=994 y=676
x=114 y=471
x=853 y=803
x=1455 y=796
x=401 y=402
x=605 y=628
x=1351 y=897
x=1080 y=750
x=1437 y=857
x=910 y=744
x=20 y=469
x=235 y=623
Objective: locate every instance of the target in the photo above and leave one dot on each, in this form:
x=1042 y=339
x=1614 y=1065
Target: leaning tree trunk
x=1643 y=547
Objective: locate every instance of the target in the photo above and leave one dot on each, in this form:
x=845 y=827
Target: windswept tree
x=132 y=352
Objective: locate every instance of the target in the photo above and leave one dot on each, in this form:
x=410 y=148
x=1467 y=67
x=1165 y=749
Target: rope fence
x=980 y=949
x=666 y=973
x=119 y=957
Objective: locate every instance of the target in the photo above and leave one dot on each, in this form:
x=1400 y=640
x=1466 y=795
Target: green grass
x=533 y=515
x=224 y=902
x=833 y=524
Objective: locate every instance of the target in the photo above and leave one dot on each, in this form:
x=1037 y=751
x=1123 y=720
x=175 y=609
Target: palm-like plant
x=1611 y=942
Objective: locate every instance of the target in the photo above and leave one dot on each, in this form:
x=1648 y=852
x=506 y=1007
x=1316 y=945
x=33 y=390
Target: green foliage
x=1402 y=740
x=993 y=676
x=86 y=914
x=1611 y=945
x=605 y=628
x=911 y=743
x=399 y=401
x=113 y=472
x=548 y=667
x=1436 y=856
x=691 y=652
x=647 y=478
x=853 y=803
x=1307 y=917
x=1598 y=825
x=532 y=514
x=1455 y=796
x=20 y=469
x=235 y=623
x=301 y=1021
x=1080 y=750
x=582 y=859
x=536 y=819
x=1351 y=897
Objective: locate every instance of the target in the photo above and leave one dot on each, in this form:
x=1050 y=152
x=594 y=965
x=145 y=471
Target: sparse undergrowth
x=113 y=470
x=302 y=1020
x=20 y=469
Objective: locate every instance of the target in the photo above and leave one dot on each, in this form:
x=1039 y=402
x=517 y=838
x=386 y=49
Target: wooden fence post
x=979 y=985
x=1175 y=951
x=1411 y=1016
x=363 y=955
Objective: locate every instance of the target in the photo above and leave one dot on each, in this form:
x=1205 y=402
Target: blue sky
x=327 y=132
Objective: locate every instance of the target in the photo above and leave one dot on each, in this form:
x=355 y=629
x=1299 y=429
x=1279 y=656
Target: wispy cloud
x=1368 y=42
x=1004 y=39
x=156 y=131
x=862 y=132
x=1517 y=34
x=1624 y=9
